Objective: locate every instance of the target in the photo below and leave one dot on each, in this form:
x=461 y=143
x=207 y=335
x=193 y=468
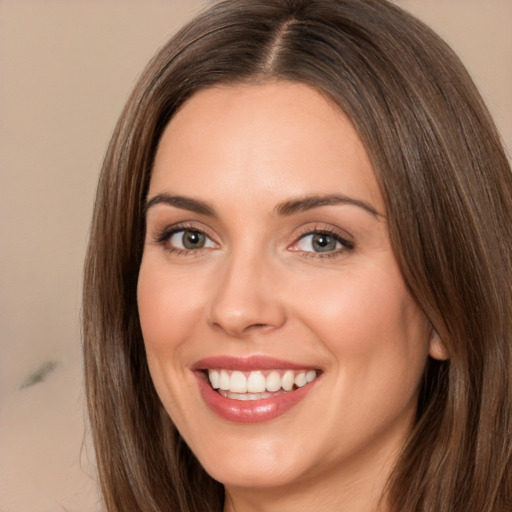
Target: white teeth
x=256 y=383
x=273 y=381
x=246 y=396
x=288 y=380
x=214 y=378
x=300 y=379
x=238 y=383
x=311 y=375
x=224 y=380
x=253 y=385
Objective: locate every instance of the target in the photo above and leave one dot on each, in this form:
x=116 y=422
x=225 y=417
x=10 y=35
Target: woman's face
x=267 y=263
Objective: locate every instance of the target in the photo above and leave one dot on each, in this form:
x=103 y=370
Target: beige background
x=66 y=68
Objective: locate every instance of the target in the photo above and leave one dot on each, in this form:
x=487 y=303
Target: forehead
x=277 y=137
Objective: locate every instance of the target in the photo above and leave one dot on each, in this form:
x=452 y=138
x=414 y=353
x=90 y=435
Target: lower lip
x=250 y=411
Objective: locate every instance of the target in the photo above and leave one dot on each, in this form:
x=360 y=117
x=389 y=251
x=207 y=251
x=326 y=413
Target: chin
x=261 y=460
x=251 y=474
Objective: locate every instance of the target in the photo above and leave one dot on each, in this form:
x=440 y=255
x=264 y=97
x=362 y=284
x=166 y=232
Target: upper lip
x=248 y=364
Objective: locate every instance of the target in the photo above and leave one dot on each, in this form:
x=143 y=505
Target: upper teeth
x=258 y=382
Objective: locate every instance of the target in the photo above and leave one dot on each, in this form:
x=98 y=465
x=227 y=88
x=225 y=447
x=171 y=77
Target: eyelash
x=347 y=245
x=163 y=236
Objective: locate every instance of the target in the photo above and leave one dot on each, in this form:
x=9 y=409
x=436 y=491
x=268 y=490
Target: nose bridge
x=244 y=299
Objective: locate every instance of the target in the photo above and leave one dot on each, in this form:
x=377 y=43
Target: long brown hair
x=448 y=189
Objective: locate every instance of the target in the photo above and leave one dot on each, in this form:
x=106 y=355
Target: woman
x=297 y=285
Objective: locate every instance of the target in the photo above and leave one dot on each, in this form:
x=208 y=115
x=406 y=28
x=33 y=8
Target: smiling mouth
x=258 y=384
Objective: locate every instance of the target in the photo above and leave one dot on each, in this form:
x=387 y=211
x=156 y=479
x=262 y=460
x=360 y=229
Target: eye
x=318 y=242
x=187 y=239
x=322 y=243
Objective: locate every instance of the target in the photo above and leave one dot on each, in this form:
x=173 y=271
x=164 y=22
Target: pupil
x=193 y=240
x=324 y=243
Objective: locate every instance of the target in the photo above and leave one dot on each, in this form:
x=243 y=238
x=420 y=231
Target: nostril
x=262 y=327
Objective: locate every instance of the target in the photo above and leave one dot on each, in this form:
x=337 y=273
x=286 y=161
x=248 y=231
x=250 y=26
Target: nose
x=247 y=299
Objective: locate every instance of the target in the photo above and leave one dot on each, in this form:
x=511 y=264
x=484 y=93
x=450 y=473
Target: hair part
x=447 y=186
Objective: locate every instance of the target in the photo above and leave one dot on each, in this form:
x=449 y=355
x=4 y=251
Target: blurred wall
x=66 y=68
x=480 y=32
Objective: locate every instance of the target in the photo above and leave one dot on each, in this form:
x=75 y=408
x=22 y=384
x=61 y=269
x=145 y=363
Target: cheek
x=372 y=327
x=169 y=312
x=170 y=305
x=378 y=344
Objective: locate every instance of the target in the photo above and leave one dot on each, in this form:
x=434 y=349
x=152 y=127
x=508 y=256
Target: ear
x=437 y=349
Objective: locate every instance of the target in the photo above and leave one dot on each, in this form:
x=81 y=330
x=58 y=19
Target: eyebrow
x=284 y=209
x=185 y=203
x=309 y=202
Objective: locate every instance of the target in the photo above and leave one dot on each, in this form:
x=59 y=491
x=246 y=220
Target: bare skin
x=247 y=268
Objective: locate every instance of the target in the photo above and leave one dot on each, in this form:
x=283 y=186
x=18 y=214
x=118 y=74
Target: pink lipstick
x=254 y=389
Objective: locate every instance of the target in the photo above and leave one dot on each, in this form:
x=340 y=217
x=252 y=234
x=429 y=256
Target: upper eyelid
x=160 y=235
x=344 y=242
x=183 y=226
x=326 y=229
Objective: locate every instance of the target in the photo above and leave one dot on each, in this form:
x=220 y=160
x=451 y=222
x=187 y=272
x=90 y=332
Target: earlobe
x=437 y=349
